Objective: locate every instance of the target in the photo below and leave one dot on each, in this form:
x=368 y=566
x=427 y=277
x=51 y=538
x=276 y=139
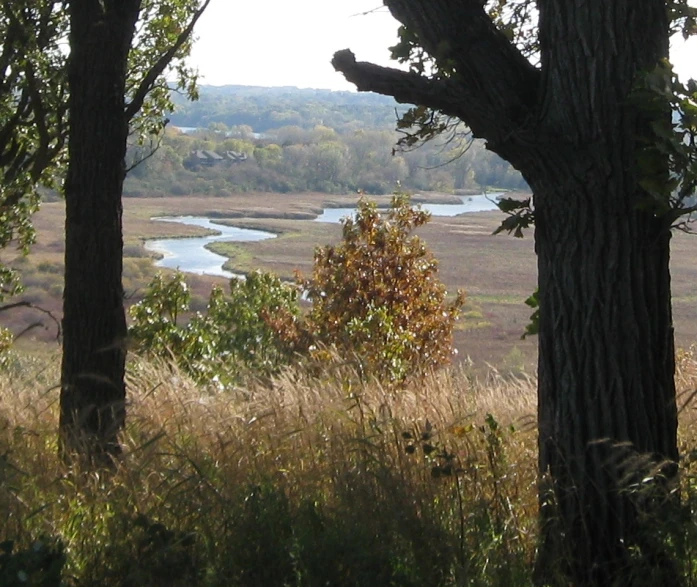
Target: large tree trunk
x=607 y=414
x=94 y=324
x=607 y=410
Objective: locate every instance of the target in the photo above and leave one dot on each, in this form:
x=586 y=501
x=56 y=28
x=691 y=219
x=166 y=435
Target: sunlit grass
x=300 y=481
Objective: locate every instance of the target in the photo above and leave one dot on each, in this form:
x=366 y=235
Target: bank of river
x=191 y=255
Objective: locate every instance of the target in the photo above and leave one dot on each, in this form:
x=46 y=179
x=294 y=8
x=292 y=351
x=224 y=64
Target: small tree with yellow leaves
x=376 y=295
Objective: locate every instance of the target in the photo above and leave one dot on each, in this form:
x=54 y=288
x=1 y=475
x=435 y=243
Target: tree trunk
x=94 y=324
x=607 y=413
x=607 y=410
x=606 y=401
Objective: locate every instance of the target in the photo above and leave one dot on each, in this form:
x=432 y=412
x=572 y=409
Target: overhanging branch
x=404 y=86
x=485 y=81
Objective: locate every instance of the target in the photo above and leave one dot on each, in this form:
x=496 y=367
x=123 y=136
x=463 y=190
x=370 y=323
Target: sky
x=291 y=43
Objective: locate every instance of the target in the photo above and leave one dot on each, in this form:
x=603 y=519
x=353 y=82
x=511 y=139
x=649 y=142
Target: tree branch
x=153 y=149
x=483 y=80
x=136 y=103
x=25 y=304
x=404 y=86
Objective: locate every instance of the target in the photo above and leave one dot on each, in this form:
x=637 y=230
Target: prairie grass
x=302 y=480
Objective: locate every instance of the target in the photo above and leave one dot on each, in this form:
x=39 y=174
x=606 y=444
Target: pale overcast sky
x=290 y=43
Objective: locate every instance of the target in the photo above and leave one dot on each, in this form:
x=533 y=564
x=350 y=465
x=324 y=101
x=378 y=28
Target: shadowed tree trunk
x=93 y=393
x=607 y=414
x=94 y=324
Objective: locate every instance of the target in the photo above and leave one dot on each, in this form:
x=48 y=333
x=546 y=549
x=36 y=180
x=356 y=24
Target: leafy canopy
x=33 y=121
x=33 y=99
x=669 y=105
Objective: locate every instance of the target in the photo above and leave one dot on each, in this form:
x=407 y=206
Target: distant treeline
x=302 y=140
x=269 y=108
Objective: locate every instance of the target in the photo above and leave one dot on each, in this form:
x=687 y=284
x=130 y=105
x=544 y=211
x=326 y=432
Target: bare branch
x=154 y=147
x=25 y=304
x=405 y=86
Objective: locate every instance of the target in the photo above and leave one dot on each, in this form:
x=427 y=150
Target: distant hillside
x=264 y=109
x=241 y=139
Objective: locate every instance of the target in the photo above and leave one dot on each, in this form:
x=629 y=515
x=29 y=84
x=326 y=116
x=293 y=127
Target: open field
x=497 y=272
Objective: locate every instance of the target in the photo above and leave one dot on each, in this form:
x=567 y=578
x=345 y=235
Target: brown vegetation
x=425 y=486
x=497 y=272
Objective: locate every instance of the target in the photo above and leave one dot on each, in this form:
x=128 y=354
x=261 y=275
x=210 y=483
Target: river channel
x=190 y=254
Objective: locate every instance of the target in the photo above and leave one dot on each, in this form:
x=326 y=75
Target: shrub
x=6 y=340
x=142 y=551
x=135 y=250
x=376 y=295
x=41 y=564
x=155 y=318
x=232 y=335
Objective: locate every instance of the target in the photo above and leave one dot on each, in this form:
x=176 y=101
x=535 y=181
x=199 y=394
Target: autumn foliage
x=376 y=295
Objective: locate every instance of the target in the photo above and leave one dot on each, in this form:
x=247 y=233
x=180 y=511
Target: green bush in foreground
x=40 y=564
x=233 y=335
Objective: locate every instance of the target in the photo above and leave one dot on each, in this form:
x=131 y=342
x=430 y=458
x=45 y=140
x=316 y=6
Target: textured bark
x=606 y=397
x=93 y=393
x=94 y=325
x=607 y=414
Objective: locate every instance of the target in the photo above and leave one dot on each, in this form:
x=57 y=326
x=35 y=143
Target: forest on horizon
x=295 y=140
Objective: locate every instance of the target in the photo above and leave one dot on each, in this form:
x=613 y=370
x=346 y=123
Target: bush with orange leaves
x=376 y=297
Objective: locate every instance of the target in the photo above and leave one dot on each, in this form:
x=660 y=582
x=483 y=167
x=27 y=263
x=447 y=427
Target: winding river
x=190 y=254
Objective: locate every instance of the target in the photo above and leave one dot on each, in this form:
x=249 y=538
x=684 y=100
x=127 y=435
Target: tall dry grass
x=299 y=481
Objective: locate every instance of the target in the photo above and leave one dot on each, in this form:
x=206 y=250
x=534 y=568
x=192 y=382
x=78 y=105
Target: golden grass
x=195 y=458
x=302 y=480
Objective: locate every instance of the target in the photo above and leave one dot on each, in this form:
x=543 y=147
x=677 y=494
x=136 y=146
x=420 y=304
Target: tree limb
x=483 y=80
x=404 y=86
x=25 y=304
x=136 y=103
x=153 y=149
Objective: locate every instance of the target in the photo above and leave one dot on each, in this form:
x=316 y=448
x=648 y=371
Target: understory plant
x=233 y=335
